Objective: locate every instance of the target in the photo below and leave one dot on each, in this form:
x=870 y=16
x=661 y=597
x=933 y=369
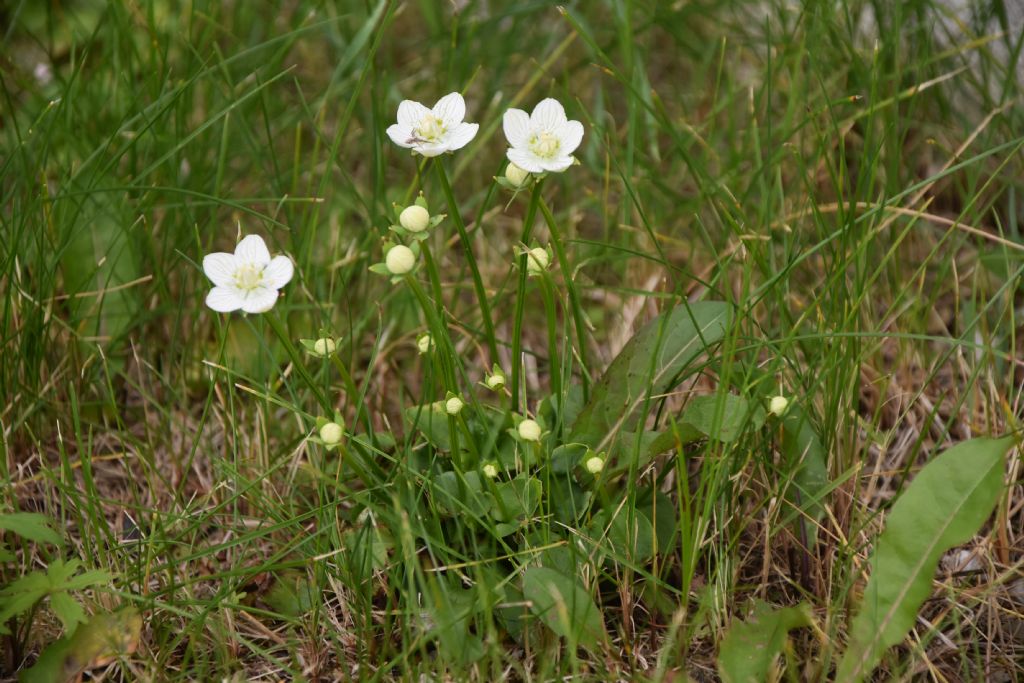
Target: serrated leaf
x=944 y=506
x=649 y=365
x=750 y=647
x=564 y=606
x=31 y=526
x=67 y=610
x=721 y=417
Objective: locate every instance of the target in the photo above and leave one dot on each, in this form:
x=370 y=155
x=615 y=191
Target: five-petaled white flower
x=544 y=140
x=431 y=132
x=248 y=279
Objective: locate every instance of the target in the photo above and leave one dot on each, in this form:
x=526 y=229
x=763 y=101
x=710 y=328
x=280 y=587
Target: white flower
x=544 y=140
x=431 y=132
x=537 y=260
x=414 y=218
x=777 y=406
x=515 y=175
x=248 y=279
x=454 y=405
x=324 y=346
x=529 y=430
x=594 y=464
x=331 y=433
x=400 y=260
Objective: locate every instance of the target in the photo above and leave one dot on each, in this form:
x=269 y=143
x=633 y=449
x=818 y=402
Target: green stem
x=438 y=332
x=517 y=323
x=478 y=283
x=574 y=297
x=554 y=358
x=279 y=329
x=353 y=391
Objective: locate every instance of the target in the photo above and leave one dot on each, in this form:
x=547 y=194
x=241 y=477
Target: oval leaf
x=750 y=646
x=944 y=506
x=564 y=606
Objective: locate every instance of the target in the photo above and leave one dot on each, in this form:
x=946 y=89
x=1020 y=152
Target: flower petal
x=570 y=135
x=461 y=135
x=400 y=135
x=451 y=109
x=259 y=300
x=431 y=149
x=524 y=160
x=219 y=267
x=548 y=115
x=411 y=113
x=280 y=270
x=224 y=299
x=252 y=250
x=558 y=164
x=516 y=124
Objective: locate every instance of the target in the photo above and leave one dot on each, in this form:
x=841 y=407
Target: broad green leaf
x=516 y=499
x=564 y=606
x=31 y=526
x=750 y=647
x=661 y=513
x=721 y=417
x=806 y=466
x=568 y=499
x=458 y=496
x=99 y=641
x=649 y=365
x=291 y=595
x=432 y=423
x=626 y=535
x=944 y=506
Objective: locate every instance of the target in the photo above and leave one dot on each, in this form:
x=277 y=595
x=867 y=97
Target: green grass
x=854 y=194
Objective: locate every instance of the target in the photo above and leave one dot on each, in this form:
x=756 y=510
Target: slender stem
x=554 y=358
x=478 y=283
x=437 y=331
x=353 y=391
x=517 y=323
x=279 y=329
x=574 y=297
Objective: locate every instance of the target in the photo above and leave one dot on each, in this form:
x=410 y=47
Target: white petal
x=219 y=267
x=279 y=272
x=525 y=160
x=451 y=109
x=252 y=250
x=548 y=115
x=224 y=299
x=558 y=164
x=400 y=135
x=516 y=123
x=461 y=136
x=431 y=149
x=411 y=113
x=259 y=300
x=570 y=135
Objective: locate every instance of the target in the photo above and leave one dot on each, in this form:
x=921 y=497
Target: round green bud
x=414 y=218
x=331 y=433
x=454 y=405
x=516 y=176
x=324 y=346
x=529 y=430
x=400 y=260
x=778 y=405
x=594 y=464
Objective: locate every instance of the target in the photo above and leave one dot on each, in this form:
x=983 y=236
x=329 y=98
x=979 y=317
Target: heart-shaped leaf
x=564 y=606
x=750 y=646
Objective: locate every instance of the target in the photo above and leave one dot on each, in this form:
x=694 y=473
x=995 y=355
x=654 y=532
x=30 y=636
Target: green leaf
x=432 y=423
x=30 y=526
x=651 y=363
x=627 y=535
x=750 y=647
x=944 y=506
x=291 y=595
x=516 y=499
x=721 y=417
x=457 y=497
x=564 y=606
x=67 y=610
x=806 y=464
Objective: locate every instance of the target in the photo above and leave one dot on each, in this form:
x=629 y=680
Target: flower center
x=545 y=145
x=429 y=129
x=248 y=277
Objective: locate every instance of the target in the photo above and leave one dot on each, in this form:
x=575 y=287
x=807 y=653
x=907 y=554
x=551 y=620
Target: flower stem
x=478 y=283
x=278 y=326
x=517 y=322
x=439 y=333
x=574 y=297
x=554 y=357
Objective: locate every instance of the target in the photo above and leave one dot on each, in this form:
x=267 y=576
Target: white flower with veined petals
x=248 y=279
x=544 y=140
x=431 y=132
